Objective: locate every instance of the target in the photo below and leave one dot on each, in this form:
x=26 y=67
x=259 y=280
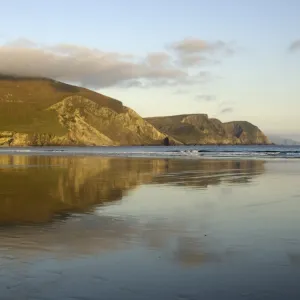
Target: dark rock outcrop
x=166 y=141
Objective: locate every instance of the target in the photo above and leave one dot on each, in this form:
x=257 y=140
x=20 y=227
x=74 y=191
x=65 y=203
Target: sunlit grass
x=24 y=103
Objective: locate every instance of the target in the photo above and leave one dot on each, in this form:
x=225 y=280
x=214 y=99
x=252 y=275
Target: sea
x=176 y=222
x=240 y=151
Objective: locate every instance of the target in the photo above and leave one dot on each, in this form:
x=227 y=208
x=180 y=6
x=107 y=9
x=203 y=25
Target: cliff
x=41 y=112
x=200 y=129
x=37 y=112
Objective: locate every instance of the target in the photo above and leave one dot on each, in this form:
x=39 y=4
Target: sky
x=231 y=59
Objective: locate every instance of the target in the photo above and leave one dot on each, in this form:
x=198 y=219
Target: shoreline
x=150 y=145
x=213 y=152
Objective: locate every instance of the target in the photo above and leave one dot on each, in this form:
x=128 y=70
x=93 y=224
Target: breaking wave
x=165 y=152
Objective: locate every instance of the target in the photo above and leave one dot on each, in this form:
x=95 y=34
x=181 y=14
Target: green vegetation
x=25 y=118
x=24 y=103
x=40 y=111
x=199 y=129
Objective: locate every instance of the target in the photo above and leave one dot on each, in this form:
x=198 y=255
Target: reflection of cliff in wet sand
x=202 y=173
x=37 y=188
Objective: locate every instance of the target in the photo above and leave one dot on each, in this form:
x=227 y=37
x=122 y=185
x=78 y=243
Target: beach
x=104 y=227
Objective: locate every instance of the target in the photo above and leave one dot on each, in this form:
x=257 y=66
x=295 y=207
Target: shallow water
x=196 y=151
x=75 y=227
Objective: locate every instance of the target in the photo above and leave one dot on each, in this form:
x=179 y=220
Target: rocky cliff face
x=41 y=112
x=89 y=123
x=11 y=138
x=199 y=129
x=245 y=133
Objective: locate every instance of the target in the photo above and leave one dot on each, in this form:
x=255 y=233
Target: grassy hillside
x=189 y=129
x=199 y=129
x=38 y=111
x=24 y=103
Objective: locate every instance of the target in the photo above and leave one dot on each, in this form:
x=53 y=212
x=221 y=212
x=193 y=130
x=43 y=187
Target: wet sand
x=121 y=228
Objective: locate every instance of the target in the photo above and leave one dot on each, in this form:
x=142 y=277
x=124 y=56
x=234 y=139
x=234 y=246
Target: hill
x=40 y=111
x=278 y=140
x=199 y=129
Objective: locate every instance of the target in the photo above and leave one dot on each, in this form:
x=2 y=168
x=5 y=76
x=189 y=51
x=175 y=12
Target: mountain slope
x=199 y=129
x=40 y=111
x=37 y=111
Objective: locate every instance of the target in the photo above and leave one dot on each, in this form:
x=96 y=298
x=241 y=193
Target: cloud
x=190 y=45
x=226 y=107
x=206 y=98
x=193 y=52
x=133 y=84
x=158 y=59
x=95 y=68
x=226 y=110
x=196 y=60
x=295 y=46
x=89 y=67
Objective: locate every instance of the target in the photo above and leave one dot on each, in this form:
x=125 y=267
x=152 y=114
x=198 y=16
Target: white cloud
x=193 y=52
x=95 y=68
x=190 y=45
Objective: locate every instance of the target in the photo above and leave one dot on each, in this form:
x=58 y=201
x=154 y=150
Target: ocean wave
x=161 y=151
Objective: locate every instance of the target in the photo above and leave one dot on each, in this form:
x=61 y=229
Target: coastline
x=142 y=145
x=260 y=152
